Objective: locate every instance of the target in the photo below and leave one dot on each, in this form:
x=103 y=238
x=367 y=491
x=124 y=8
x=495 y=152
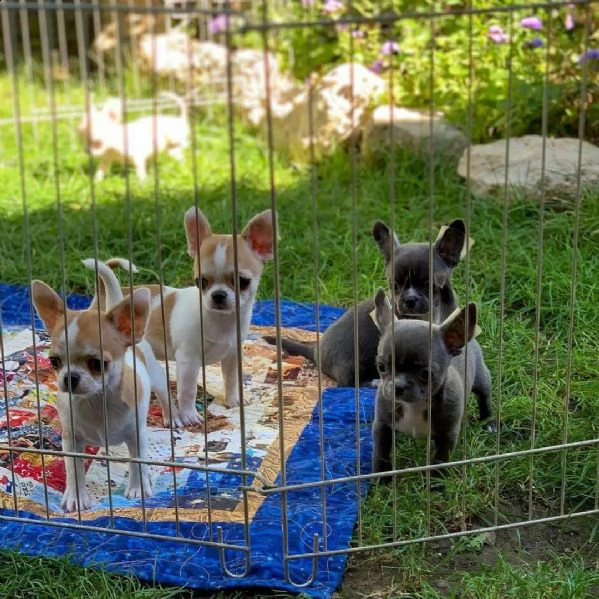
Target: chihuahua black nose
x=71 y=381
x=219 y=297
x=402 y=385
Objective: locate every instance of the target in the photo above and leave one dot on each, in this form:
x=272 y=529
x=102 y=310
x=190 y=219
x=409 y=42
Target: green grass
x=319 y=212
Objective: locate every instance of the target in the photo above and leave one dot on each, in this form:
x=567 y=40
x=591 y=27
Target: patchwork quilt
x=322 y=433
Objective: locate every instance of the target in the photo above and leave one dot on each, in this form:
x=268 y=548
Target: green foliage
x=489 y=85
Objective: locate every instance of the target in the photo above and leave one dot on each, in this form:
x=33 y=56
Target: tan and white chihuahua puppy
x=200 y=321
x=96 y=355
x=135 y=142
x=199 y=325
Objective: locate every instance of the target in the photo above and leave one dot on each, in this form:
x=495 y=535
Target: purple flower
x=532 y=23
x=341 y=26
x=592 y=54
x=569 y=23
x=332 y=6
x=218 y=24
x=535 y=42
x=390 y=47
x=497 y=35
x=358 y=33
x=377 y=67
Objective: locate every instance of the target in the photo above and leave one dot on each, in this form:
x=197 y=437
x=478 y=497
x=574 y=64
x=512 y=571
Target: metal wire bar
x=238 y=336
x=504 y=245
x=539 y=281
x=453 y=464
x=574 y=270
x=125 y=533
x=448 y=535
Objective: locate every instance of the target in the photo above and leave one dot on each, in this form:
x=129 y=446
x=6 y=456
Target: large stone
x=525 y=170
x=324 y=113
x=391 y=127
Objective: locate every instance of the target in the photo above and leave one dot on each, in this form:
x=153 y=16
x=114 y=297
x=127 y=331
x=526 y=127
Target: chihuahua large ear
x=197 y=229
x=386 y=239
x=131 y=324
x=259 y=234
x=48 y=304
x=454 y=333
x=383 y=312
x=450 y=243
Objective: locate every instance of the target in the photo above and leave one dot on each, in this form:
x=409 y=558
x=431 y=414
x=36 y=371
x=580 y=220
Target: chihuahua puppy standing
x=409 y=373
x=200 y=325
x=99 y=355
x=134 y=142
x=408 y=269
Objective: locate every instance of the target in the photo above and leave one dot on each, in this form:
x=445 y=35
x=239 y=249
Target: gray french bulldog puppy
x=404 y=389
x=408 y=268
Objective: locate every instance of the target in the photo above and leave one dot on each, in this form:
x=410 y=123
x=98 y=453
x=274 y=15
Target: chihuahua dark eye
x=55 y=362
x=424 y=375
x=382 y=367
x=201 y=282
x=95 y=365
x=244 y=283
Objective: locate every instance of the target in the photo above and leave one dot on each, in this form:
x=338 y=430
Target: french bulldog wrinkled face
x=410 y=273
x=403 y=362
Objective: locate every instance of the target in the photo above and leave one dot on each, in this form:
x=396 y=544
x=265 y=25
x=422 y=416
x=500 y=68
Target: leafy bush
x=491 y=73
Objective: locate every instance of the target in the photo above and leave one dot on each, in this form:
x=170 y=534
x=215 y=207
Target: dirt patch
x=385 y=573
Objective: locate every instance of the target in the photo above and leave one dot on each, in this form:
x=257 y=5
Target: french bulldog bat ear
x=197 y=230
x=450 y=243
x=383 y=311
x=386 y=239
x=48 y=304
x=456 y=332
x=132 y=324
x=259 y=234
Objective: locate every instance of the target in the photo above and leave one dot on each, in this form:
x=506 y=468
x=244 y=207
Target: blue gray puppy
x=409 y=372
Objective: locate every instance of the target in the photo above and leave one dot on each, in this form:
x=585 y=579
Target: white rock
x=487 y=174
x=390 y=126
x=324 y=113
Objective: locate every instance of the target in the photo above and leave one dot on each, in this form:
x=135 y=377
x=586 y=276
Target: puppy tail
x=179 y=100
x=295 y=348
x=109 y=285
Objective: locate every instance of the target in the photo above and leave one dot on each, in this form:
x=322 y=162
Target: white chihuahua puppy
x=199 y=325
x=134 y=142
x=97 y=355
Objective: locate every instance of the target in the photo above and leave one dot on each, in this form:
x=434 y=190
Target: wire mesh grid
x=64 y=59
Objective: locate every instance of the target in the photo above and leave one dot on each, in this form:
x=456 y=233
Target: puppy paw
x=491 y=426
x=190 y=417
x=134 y=491
x=72 y=498
x=174 y=421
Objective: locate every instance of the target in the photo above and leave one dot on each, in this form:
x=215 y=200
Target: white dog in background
x=111 y=141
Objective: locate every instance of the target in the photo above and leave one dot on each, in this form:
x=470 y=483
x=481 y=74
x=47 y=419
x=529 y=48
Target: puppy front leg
x=445 y=443
x=188 y=369
x=139 y=477
x=230 y=370
x=75 y=493
x=382 y=441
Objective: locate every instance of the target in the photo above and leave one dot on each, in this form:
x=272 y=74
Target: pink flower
x=332 y=6
x=218 y=24
x=358 y=33
x=569 y=22
x=390 y=47
x=496 y=34
x=532 y=23
x=377 y=66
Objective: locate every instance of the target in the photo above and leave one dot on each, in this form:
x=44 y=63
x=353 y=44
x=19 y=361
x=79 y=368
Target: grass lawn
x=546 y=387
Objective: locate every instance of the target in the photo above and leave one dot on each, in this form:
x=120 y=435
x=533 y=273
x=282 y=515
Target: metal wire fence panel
x=305 y=133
